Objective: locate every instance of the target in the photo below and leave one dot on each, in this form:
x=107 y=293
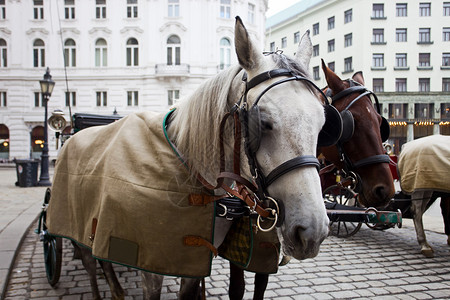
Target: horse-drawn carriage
x=147 y=157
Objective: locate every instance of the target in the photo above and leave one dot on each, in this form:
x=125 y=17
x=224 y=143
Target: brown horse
x=359 y=153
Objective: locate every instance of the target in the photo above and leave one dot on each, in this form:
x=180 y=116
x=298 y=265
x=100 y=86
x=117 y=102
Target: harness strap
x=375 y=159
x=267 y=75
x=292 y=164
x=197 y=241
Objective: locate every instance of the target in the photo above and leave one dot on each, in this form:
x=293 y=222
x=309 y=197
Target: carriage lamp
x=47 y=85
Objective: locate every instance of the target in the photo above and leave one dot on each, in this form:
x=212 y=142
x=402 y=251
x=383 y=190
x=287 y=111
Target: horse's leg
x=116 y=289
x=418 y=208
x=445 y=208
x=152 y=285
x=261 y=281
x=190 y=289
x=237 y=283
x=90 y=264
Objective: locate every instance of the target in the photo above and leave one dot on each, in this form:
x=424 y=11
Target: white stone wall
x=199 y=26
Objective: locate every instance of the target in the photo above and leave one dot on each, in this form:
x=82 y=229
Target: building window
x=132 y=9
x=133 y=98
x=69 y=9
x=2 y=10
x=3 y=102
x=174 y=8
x=331 y=45
x=424 y=110
x=316 y=29
x=70 y=58
x=378 y=11
x=400 y=84
x=225 y=9
x=446 y=59
x=400 y=60
x=316 y=50
x=401 y=35
x=348 y=15
x=378 y=85
x=331 y=66
x=378 y=36
x=445 y=88
x=316 y=73
x=132 y=52
x=378 y=60
x=251 y=13
x=38 y=99
x=101 y=53
x=173 y=50
x=424 y=84
x=330 y=23
x=100 y=9
x=102 y=99
x=424 y=35
x=424 y=59
x=3 y=54
x=425 y=9
x=173 y=96
x=348 y=40
x=398 y=111
x=283 y=42
x=225 y=53
x=71 y=99
x=348 y=64
x=446 y=7
x=297 y=37
x=272 y=47
x=38 y=53
x=446 y=34
x=38 y=9
x=401 y=10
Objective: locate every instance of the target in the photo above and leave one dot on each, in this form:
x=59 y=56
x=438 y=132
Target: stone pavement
x=371 y=264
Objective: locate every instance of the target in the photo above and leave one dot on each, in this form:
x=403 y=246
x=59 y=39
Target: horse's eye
x=266 y=124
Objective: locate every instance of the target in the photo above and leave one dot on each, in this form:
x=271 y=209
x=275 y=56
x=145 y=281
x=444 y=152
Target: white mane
x=195 y=127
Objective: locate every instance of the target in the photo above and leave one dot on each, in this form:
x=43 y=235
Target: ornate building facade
x=109 y=56
x=402 y=47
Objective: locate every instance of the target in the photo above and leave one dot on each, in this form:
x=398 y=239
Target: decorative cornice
x=132 y=29
x=100 y=29
x=37 y=30
x=69 y=30
x=5 y=30
x=170 y=25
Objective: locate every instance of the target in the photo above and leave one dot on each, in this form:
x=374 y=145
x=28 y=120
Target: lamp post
x=47 y=85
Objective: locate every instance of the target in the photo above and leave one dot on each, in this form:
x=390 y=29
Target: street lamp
x=47 y=85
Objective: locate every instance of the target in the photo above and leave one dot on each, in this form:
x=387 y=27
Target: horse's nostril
x=381 y=192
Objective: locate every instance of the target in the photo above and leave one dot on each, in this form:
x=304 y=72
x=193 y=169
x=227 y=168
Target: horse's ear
x=248 y=56
x=304 y=50
x=358 y=77
x=334 y=82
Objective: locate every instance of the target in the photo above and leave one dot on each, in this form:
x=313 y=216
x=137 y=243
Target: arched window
x=37 y=141
x=4 y=142
x=101 y=53
x=173 y=50
x=132 y=52
x=3 y=54
x=70 y=57
x=225 y=53
x=38 y=53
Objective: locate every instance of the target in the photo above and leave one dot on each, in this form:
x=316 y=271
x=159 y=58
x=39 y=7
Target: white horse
x=281 y=116
x=290 y=128
x=424 y=169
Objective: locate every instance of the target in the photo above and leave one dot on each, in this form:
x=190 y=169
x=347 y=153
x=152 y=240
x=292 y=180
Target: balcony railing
x=172 y=70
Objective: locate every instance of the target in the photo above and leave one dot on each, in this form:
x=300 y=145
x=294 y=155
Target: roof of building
x=290 y=12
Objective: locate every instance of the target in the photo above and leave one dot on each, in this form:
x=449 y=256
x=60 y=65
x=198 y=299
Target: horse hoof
x=429 y=253
x=285 y=260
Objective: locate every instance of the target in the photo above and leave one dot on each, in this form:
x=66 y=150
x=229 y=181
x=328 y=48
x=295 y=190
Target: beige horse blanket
x=120 y=190
x=424 y=164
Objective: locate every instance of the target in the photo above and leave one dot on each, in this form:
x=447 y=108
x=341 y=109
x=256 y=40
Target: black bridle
x=241 y=107
x=349 y=166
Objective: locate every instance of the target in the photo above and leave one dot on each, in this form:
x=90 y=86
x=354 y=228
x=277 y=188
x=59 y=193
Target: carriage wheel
x=343 y=196
x=52 y=249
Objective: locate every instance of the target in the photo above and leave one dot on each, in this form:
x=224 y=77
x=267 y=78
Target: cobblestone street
x=371 y=264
